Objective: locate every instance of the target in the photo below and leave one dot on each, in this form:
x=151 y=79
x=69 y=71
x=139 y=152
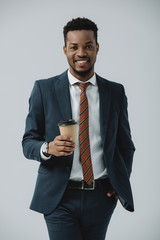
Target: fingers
x=61 y=146
x=63 y=138
x=65 y=149
x=64 y=144
x=112 y=193
x=64 y=141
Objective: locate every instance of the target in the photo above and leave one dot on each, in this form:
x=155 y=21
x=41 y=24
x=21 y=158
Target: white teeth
x=82 y=61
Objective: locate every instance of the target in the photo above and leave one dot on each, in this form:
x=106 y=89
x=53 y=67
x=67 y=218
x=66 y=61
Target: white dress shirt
x=96 y=149
x=92 y=93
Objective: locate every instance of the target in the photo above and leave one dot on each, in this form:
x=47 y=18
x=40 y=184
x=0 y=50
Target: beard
x=82 y=73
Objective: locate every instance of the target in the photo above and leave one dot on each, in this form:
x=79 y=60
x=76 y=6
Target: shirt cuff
x=42 y=154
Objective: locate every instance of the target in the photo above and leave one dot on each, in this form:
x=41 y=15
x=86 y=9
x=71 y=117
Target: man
x=78 y=186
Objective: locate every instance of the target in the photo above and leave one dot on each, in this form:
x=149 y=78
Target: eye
x=89 y=46
x=73 y=48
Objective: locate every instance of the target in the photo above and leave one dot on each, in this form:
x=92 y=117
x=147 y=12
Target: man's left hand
x=111 y=193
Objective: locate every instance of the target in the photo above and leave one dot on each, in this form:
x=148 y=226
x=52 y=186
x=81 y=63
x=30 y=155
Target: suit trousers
x=81 y=214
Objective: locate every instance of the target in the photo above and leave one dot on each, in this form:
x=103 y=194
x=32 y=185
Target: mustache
x=81 y=59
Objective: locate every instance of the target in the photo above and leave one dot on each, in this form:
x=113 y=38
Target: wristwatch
x=45 y=149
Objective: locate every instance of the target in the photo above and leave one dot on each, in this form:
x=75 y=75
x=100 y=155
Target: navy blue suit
x=49 y=104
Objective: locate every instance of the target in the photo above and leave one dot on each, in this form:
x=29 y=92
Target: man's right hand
x=61 y=146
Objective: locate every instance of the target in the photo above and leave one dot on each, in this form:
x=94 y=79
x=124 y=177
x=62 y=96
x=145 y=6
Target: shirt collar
x=73 y=80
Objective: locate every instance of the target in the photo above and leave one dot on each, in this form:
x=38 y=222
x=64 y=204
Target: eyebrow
x=89 y=42
x=77 y=43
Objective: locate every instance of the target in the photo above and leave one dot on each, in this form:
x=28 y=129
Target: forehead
x=80 y=36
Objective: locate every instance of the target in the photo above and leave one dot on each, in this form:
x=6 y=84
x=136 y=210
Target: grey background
x=31 y=44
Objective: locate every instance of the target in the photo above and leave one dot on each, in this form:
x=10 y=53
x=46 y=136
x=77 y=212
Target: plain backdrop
x=31 y=43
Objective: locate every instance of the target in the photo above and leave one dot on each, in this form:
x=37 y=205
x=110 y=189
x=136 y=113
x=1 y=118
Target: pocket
x=54 y=224
x=113 y=199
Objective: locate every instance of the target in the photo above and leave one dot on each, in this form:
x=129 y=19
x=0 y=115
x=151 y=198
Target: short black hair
x=80 y=24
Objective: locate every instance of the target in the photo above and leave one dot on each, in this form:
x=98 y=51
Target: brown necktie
x=85 y=155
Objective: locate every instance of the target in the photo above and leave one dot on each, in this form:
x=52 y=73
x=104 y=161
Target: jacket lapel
x=63 y=95
x=105 y=102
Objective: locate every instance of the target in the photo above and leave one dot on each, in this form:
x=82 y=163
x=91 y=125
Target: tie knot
x=83 y=86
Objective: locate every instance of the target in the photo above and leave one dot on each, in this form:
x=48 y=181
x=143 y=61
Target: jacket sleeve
x=124 y=140
x=34 y=135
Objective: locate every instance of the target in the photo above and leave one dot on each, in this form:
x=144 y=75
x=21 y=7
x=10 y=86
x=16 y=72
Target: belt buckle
x=89 y=187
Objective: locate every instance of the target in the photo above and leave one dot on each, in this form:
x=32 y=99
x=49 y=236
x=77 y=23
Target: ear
x=97 y=47
x=65 y=50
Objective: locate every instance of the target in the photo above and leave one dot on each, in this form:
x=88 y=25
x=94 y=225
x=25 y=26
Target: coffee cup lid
x=67 y=122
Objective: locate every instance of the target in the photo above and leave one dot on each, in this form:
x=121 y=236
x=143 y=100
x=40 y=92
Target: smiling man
x=81 y=49
x=78 y=185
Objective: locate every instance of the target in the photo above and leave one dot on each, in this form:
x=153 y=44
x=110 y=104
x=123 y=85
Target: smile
x=82 y=60
x=81 y=63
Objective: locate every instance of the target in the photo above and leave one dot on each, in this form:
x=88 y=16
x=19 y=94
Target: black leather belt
x=84 y=186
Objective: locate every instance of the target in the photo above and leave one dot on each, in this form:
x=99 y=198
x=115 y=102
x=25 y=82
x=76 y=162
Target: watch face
x=45 y=149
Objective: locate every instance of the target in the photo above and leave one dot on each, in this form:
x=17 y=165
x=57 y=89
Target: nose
x=81 y=52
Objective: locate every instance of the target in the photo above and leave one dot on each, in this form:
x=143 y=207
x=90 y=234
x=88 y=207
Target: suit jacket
x=49 y=103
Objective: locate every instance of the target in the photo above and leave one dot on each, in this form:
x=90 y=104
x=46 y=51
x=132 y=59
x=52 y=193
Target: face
x=81 y=51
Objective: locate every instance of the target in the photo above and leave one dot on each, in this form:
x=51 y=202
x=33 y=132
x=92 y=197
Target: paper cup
x=68 y=128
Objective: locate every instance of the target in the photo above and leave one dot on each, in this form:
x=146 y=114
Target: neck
x=82 y=76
